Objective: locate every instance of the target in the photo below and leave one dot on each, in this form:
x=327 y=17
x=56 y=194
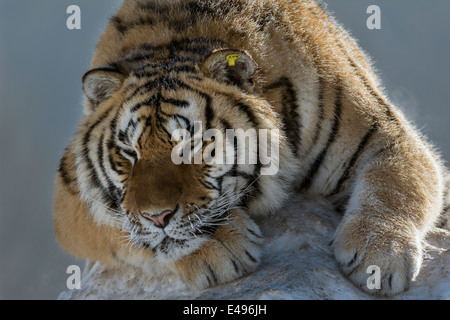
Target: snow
x=297 y=264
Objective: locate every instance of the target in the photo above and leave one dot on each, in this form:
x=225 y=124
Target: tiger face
x=125 y=145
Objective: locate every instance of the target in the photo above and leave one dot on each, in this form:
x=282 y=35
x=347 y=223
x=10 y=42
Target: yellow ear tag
x=232 y=59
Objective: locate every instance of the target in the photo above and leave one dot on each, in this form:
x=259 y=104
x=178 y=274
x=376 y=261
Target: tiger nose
x=160 y=220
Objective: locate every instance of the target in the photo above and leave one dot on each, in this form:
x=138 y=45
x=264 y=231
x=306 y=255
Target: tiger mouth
x=185 y=235
x=167 y=243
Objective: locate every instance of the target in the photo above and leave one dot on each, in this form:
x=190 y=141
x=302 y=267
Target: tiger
x=284 y=66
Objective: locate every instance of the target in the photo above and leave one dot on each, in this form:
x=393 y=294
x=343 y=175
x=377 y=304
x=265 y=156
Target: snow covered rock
x=297 y=264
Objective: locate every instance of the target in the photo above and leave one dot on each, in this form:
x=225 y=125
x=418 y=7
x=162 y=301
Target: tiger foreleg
x=232 y=252
x=392 y=207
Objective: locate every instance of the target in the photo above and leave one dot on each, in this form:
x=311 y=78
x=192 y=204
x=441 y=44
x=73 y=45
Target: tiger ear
x=100 y=84
x=231 y=67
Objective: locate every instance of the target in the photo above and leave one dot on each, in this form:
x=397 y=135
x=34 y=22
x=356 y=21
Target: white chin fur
x=171 y=250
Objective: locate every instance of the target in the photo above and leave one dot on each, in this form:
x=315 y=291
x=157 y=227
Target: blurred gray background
x=42 y=62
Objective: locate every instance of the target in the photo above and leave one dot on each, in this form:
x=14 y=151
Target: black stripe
x=234 y=172
x=197 y=9
x=182 y=121
x=119 y=24
x=130 y=153
x=131 y=128
x=252 y=258
x=244 y=175
x=94 y=179
x=266 y=18
x=113 y=124
x=254 y=233
x=307 y=181
x=164 y=66
x=226 y=125
x=248 y=112
x=374 y=94
x=114 y=166
x=138 y=58
x=290 y=112
x=144 y=73
x=63 y=172
x=353 y=260
x=85 y=154
x=209 y=113
x=208 y=185
x=67 y=179
x=390 y=280
x=212 y=273
x=100 y=157
x=354 y=158
x=169 y=83
x=321 y=113
x=158 y=83
x=182 y=24
x=147 y=103
x=198 y=45
x=175 y=102
x=123 y=27
x=291 y=117
x=143 y=89
x=340 y=205
x=235 y=266
x=113 y=191
x=161 y=119
x=182 y=68
x=146 y=126
x=123 y=137
x=386 y=148
x=151 y=7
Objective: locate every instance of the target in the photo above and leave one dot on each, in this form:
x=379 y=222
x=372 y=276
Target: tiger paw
x=232 y=252
x=377 y=258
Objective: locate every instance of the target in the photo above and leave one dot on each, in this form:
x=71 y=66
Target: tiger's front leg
x=232 y=252
x=393 y=205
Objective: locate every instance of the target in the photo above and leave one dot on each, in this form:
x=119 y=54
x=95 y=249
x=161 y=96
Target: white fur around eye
x=177 y=123
x=129 y=157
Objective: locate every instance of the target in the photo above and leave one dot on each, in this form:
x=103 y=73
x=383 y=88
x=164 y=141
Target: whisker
x=198 y=218
x=117 y=215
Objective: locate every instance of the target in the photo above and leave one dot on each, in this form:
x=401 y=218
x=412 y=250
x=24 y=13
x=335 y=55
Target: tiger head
x=128 y=167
